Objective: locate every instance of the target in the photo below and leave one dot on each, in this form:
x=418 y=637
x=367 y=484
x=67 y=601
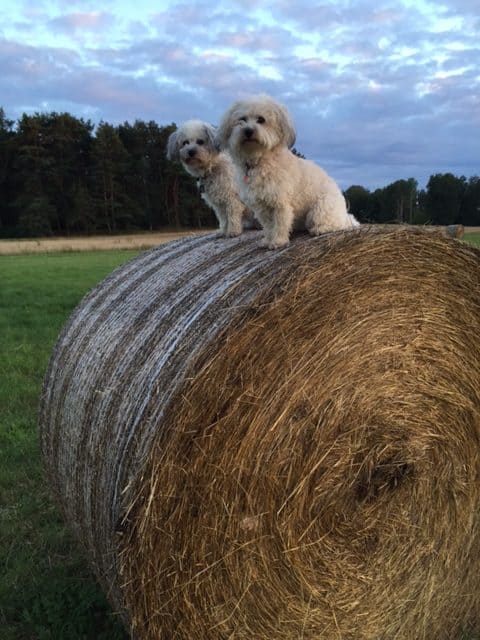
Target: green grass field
x=47 y=592
x=473 y=238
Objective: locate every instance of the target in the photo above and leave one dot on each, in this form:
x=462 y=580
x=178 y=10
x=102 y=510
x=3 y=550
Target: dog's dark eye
x=185 y=142
x=243 y=119
x=261 y=120
x=200 y=141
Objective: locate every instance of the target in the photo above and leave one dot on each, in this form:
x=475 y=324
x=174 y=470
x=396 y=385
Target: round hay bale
x=277 y=445
x=455 y=230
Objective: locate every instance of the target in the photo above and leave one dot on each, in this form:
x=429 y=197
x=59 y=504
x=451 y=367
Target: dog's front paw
x=275 y=243
x=232 y=232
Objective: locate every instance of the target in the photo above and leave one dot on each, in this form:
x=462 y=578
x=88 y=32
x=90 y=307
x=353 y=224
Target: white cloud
x=378 y=91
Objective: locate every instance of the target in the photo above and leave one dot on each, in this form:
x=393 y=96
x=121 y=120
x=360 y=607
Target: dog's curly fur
x=193 y=144
x=283 y=190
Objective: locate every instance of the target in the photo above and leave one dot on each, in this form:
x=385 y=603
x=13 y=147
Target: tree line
x=447 y=199
x=61 y=175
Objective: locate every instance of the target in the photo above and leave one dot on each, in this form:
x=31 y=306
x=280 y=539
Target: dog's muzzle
x=192 y=153
x=248 y=132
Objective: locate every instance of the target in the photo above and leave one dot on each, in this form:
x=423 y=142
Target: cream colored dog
x=193 y=143
x=283 y=190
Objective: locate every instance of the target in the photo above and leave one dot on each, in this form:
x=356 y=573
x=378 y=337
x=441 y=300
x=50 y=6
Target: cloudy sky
x=379 y=90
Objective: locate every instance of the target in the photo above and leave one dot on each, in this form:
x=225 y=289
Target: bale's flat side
x=321 y=478
x=184 y=391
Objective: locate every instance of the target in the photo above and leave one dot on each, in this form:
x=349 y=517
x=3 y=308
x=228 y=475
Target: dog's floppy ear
x=224 y=130
x=172 y=148
x=211 y=135
x=286 y=126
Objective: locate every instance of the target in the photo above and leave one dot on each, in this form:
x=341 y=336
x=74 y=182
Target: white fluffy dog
x=283 y=190
x=193 y=143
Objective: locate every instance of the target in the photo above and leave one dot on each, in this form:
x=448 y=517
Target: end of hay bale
x=278 y=444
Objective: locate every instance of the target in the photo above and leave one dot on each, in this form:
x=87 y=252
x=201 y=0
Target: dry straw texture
x=277 y=445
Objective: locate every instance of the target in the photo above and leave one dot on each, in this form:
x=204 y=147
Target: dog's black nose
x=192 y=152
x=248 y=132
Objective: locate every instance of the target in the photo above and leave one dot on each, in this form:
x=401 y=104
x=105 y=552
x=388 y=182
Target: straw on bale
x=277 y=445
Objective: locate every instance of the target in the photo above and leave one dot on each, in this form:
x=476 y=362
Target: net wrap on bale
x=277 y=445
